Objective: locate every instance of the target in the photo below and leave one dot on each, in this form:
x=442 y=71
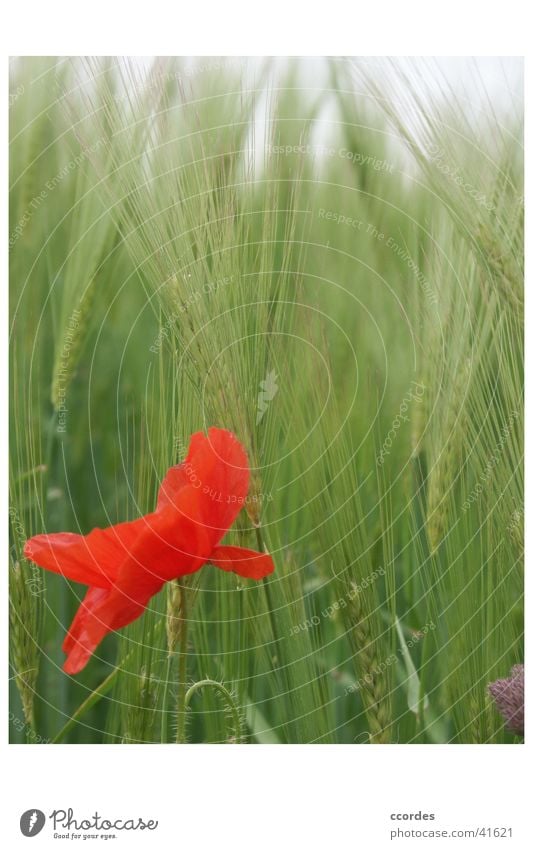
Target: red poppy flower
x=126 y=564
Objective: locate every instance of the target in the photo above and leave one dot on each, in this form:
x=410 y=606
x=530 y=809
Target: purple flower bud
x=508 y=695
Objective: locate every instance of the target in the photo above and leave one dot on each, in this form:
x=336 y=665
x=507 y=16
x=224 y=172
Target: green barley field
x=325 y=257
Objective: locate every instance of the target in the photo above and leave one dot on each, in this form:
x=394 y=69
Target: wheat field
x=324 y=257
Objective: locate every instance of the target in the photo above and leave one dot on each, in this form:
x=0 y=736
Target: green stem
x=181 y=708
x=261 y=546
x=49 y=455
x=164 y=723
x=94 y=697
x=173 y=626
x=429 y=647
x=227 y=698
x=259 y=535
x=45 y=470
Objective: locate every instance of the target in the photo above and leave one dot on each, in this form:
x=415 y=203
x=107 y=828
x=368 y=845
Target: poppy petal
x=93 y=559
x=217 y=469
x=102 y=611
x=169 y=546
x=210 y=486
x=243 y=561
x=76 y=644
x=173 y=482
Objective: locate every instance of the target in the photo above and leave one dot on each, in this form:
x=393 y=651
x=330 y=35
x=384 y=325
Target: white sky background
x=472 y=78
x=479 y=85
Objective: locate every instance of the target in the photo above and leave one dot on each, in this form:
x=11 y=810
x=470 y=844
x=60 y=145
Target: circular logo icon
x=32 y=822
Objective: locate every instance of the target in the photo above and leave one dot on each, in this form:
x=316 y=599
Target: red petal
x=102 y=611
x=216 y=471
x=164 y=543
x=174 y=481
x=77 y=645
x=170 y=546
x=243 y=561
x=93 y=559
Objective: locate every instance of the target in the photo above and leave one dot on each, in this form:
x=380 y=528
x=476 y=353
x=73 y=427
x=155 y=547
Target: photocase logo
x=269 y=389
x=65 y=824
x=32 y=822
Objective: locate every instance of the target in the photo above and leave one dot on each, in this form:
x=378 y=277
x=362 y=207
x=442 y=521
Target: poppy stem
x=259 y=536
x=262 y=547
x=94 y=697
x=228 y=698
x=164 y=723
x=173 y=625
x=181 y=707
